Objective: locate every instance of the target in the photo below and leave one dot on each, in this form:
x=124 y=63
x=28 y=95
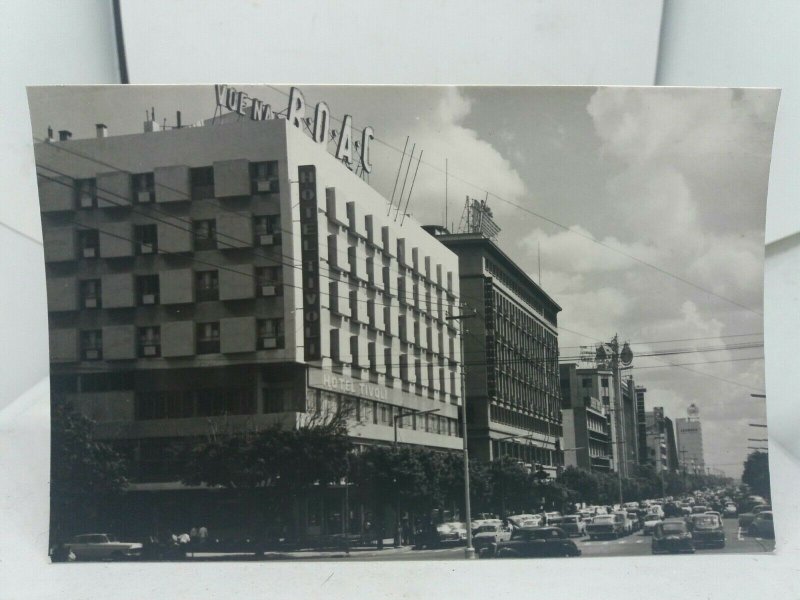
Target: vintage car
x=450 y=533
x=650 y=522
x=699 y=509
x=762 y=525
x=525 y=520
x=486 y=535
x=730 y=511
x=707 y=531
x=530 y=542
x=606 y=526
x=746 y=518
x=633 y=518
x=553 y=518
x=672 y=535
x=573 y=525
x=103 y=546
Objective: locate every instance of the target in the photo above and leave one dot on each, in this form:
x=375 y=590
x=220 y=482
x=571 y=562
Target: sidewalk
x=309 y=553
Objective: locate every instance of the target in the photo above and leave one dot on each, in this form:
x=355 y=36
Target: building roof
x=490 y=247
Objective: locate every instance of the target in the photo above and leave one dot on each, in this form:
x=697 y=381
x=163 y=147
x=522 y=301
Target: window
x=87 y=193
x=269 y=281
x=146 y=239
x=208 y=338
x=264 y=176
x=604 y=382
x=267 y=230
x=205 y=234
x=206 y=286
x=89 y=243
x=149 y=342
x=202 y=183
x=144 y=188
x=90 y=293
x=270 y=334
x=586 y=383
x=147 y=289
x=387 y=362
x=92 y=344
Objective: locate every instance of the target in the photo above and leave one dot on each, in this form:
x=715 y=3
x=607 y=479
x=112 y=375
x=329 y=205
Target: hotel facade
x=234 y=276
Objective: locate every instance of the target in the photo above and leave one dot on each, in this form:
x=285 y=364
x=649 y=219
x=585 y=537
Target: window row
x=179 y=286
x=164 y=184
x=182 y=404
x=514 y=418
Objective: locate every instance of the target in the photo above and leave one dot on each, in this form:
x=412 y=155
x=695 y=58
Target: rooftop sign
x=352 y=153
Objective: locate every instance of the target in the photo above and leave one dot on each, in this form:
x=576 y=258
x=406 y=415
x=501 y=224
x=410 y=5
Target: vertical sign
x=309 y=238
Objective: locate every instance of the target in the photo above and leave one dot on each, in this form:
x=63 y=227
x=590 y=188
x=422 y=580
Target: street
x=635 y=544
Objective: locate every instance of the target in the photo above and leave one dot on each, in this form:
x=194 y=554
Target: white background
x=720 y=42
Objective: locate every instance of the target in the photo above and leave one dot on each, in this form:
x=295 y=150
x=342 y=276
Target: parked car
x=451 y=533
x=103 y=546
x=748 y=517
x=762 y=525
x=670 y=536
x=606 y=526
x=573 y=525
x=553 y=518
x=529 y=542
x=485 y=525
x=707 y=531
x=729 y=511
x=489 y=534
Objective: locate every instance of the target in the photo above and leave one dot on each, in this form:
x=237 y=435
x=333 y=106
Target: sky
x=646 y=207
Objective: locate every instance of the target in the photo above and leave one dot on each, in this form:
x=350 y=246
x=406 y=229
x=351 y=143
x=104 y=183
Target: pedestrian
x=406 y=530
x=202 y=536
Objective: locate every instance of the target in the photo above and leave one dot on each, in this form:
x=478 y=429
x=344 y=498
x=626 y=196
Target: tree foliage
x=756 y=473
x=84 y=473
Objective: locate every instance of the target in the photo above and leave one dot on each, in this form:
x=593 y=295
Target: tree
x=84 y=473
x=756 y=473
x=273 y=465
x=584 y=484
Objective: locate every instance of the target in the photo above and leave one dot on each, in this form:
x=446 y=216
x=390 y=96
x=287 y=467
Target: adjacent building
x=660 y=448
x=689 y=437
x=585 y=406
x=234 y=276
x=512 y=388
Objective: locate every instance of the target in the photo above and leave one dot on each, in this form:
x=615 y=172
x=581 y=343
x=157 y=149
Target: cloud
x=470 y=158
x=575 y=251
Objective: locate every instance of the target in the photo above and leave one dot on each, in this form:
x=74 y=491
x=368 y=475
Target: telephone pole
x=469 y=551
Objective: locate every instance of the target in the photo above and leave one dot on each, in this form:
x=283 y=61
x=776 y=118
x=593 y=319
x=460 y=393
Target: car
x=762 y=525
x=633 y=517
x=655 y=509
x=650 y=522
x=103 y=546
x=525 y=520
x=627 y=524
x=573 y=525
x=729 y=511
x=486 y=535
x=530 y=542
x=606 y=526
x=699 y=509
x=450 y=533
x=553 y=518
x=672 y=536
x=480 y=525
x=707 y=531
x=746 y=518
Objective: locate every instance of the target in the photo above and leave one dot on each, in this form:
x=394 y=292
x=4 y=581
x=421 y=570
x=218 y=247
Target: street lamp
x=395 y=418
x=469 y=551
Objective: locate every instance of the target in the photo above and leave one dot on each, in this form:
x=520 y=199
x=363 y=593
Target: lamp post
x=469 y=551
x=395 y=418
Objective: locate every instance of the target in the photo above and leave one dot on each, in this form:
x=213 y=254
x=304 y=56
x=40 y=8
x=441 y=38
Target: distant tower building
x=689 y=438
